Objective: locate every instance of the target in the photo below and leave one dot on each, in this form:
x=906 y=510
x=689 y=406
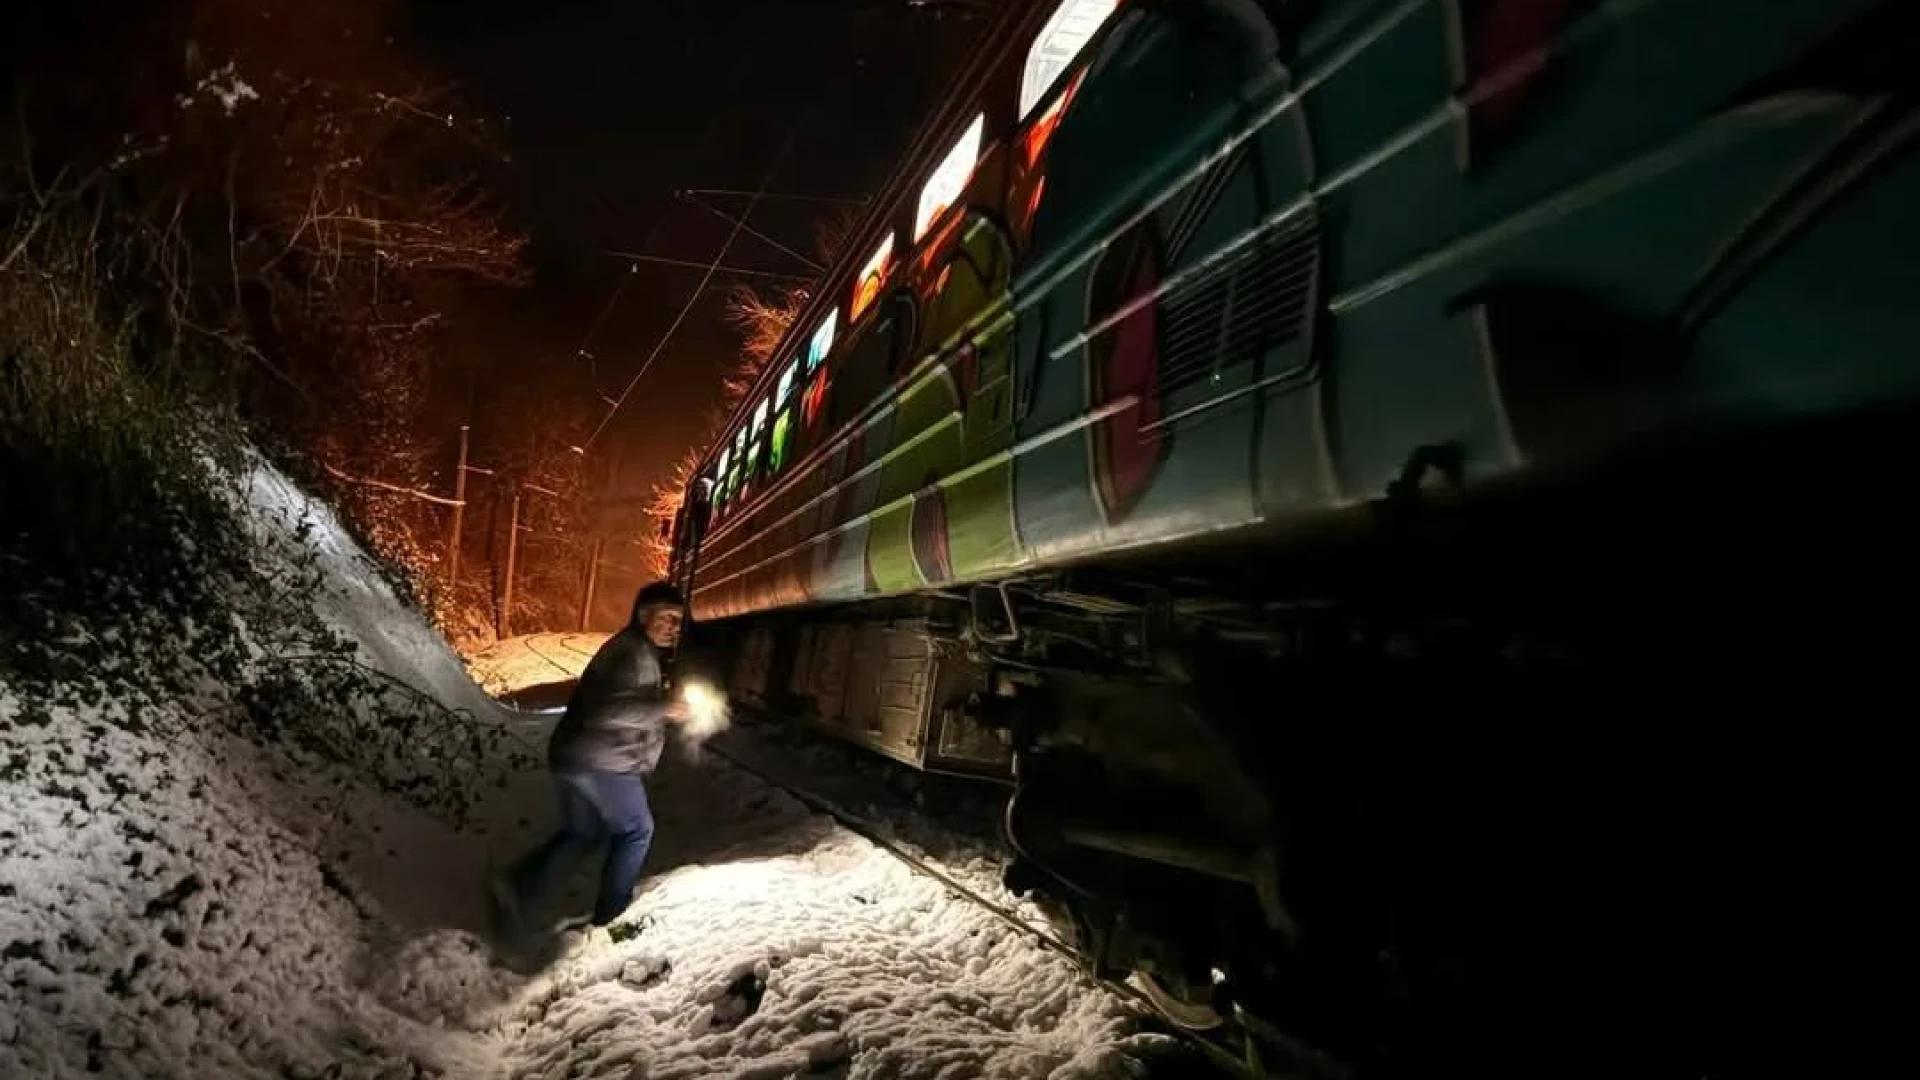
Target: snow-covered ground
x=273 y=867
x=532 y=660
x=949 y=822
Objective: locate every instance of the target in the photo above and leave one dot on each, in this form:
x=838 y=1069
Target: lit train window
x=814 y=400
x=753 y=437
x=720 y=472
x=872 y=277
x=821 y=341
x=1073 y=24
x=783 y=419
x=950 y=179
x=782 y=430
x=818 y=346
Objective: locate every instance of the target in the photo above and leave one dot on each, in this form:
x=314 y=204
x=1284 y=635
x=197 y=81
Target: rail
x=1218 y=1054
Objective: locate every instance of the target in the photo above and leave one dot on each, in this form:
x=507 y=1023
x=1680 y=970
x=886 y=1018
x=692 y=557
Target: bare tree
x=279 y=205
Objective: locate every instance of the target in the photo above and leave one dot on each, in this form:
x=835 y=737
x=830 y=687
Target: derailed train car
x=1345 y=466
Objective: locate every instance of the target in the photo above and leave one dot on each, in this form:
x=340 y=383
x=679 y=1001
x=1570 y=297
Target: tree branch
x=395 y=488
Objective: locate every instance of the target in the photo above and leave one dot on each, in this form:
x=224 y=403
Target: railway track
x=566 y=644
x=1231 y=1057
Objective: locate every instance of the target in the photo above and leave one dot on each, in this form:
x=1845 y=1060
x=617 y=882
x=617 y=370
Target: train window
x=872 y=277
x=822 y=340
x=720 y=474
x=782 y=430
x=943 y=188
x=786 y=384
x=815 y=395
x=712 y=502
x=783 y=419
x=814 y=401
x=1072 y=25
x=753 y=438
x=1040 y=129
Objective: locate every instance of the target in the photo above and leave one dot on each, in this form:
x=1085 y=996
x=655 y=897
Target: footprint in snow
x=741 y=1000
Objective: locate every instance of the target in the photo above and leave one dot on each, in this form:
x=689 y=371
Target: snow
x=532 y=660
x=182 y=895
x=950 y=823
x=863 y=961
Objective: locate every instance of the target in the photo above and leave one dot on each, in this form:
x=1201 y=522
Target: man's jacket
x=613 y=722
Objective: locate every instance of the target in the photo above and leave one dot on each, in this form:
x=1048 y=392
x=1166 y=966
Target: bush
x=104 y=454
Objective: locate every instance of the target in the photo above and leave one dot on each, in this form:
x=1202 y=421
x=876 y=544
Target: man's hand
x=676 y=712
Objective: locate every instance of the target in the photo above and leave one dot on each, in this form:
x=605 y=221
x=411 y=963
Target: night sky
x=609 y=106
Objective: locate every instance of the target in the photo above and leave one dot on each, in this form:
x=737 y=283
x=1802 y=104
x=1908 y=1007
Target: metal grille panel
x=1256 y=301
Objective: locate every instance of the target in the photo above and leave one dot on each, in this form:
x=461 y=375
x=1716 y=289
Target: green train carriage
x=1203 y=361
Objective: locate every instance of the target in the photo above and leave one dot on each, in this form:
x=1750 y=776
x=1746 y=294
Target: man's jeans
x=593 y=806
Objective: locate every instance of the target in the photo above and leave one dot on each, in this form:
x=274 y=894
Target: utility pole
x=513 y=552
x=593 y=579
x=513 y=549
x=459 y=514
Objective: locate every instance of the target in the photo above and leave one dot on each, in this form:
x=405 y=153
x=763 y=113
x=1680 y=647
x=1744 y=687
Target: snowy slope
x=270 y=866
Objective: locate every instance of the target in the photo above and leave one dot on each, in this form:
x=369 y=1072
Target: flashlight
x=706 y=708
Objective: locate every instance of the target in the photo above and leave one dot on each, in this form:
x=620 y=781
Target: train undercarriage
x=1509 y=778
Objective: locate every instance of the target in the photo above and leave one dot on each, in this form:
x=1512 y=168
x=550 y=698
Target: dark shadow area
x=539 y=698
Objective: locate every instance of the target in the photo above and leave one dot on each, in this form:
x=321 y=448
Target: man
x=608 y=741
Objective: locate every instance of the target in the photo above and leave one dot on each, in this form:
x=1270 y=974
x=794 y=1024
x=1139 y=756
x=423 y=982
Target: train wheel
x=1182 y=1003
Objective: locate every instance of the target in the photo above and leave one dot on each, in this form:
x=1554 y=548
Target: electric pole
x=513 y=553
x=593 y=579
x=459 y=514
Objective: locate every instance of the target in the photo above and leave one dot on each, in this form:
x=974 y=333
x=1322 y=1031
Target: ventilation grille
x=1257 y=300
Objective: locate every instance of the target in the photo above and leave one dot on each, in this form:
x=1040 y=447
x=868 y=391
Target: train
x=1356 y=475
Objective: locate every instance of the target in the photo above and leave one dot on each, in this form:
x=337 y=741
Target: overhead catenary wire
x=751 y=231
x=626 y=279
x=713 y=267
x=593 y=329
x=664 y=260
x=771 y=196
x=998 y=42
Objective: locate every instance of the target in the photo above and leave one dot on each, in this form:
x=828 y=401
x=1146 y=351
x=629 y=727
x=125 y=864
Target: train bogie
x=903 y=691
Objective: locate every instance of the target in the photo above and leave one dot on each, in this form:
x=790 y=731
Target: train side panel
x=1447 y=243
